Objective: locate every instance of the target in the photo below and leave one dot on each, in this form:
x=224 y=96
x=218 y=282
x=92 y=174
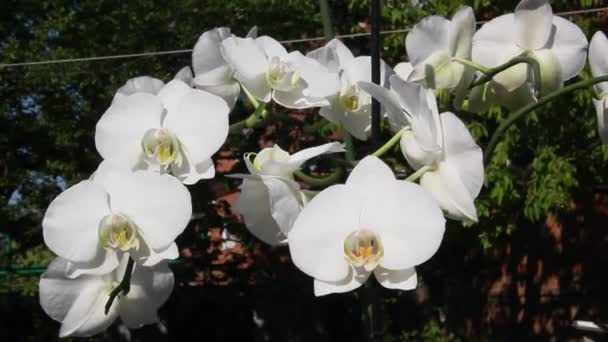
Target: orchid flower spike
x=93 y=223
x=435 y=45
x=559 y=46
x=179 y=129
x=598 y=59
x=79 y=304
x=372 y=224
x=270 y=199
x=348 y=106
x=267 y=71
x=212 y=72
x=440 y=143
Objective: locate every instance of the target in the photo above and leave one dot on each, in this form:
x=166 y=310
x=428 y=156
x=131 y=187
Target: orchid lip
x=280 y=76
x=160 y=146
x=363 y=248
x=118 y=232
x=349 y=98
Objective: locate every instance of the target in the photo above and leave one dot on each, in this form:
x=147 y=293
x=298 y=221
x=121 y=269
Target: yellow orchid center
x=349 y=98
x=160 y=146
x=280 y=76
x=118 y=232
x=363 y=248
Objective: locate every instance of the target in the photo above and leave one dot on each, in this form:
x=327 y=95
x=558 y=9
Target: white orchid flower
x=140 y=84
x=270 y=199
x=440 y=143
x=558 y=45
x=372 y=224
x=117 y=211
x=404 y=70
x=79 y=304
x=185 y=75
x=212 y=71
x=481 y=98
x=348 y=106
x=434 y=46
x=179 y=130
x=267 y=71
x=598 y=59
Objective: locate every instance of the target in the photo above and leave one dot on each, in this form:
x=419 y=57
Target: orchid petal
x=409 y=238
x=159 y=205
x=460 y=34
x=598 y=58
x=142 y=84
x=427 y=37
x=77 y=303
x=71 y=222
x=250 y=63
x=404 y=279
x=190 y=174
x=297 y=159
x=119 y=132
x=569 y=44
x=200 y=123
x=602 y=118
x=254 y=205
x=185 y=75
x=533 y=21
x=271 y=47
x=550 y=71
x=317 y=237
x=351 y=282
x=389 y=99
x=150 y=288
x=404 y=70
x=369 y=170
x=209 y=65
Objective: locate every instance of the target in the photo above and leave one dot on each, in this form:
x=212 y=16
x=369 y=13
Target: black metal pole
x=328 y=29
x=375 y=47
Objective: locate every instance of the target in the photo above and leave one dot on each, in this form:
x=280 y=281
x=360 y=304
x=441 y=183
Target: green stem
x=389 y=144
x=251 y=121
x=370 y=310
x=509 y=121
x=124 y=286
x=472 y=64
x=414 y=176
x=490 y=73
x=320 y=182
x=349 y=145
x=254 y=102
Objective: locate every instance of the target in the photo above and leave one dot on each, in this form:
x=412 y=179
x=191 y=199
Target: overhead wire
x=287 y=41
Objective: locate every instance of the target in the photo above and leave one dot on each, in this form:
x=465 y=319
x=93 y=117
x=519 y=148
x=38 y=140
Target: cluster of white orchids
x=114 y=232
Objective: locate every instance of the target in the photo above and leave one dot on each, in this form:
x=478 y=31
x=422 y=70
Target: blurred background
x=535 y=262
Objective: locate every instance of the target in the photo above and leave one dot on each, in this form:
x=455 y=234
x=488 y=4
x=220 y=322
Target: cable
x=288 y=41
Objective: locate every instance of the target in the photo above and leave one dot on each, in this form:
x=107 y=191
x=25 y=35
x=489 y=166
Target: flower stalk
x=490 y=73
x=124 y=286
x=389 y=144
x=414 y=176
x=320 y=182
x=515 y=116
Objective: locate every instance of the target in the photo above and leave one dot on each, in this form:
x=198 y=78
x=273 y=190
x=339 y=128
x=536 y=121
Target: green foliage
x=430 y=332
x=551 y=181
